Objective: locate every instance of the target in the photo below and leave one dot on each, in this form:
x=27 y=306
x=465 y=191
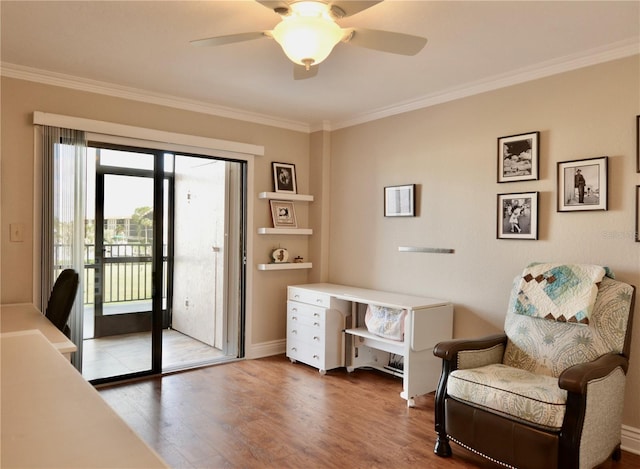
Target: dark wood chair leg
x=443 y=448
x=617 y=454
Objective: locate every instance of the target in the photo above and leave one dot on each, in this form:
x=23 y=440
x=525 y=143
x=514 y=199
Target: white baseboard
x=631 y=439
x=266 y=349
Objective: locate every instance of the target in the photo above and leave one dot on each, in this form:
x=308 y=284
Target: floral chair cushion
x=517 y=393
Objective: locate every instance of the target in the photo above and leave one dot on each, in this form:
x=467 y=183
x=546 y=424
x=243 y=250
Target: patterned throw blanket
x=559 y=292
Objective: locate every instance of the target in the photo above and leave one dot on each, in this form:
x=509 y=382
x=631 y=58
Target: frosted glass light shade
x=309 y=34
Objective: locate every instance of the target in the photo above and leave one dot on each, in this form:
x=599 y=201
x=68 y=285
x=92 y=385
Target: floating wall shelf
x=286 y=266
x=281 y=196
x=286 y=231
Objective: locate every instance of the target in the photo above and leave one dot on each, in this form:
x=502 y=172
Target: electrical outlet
x=16 y=232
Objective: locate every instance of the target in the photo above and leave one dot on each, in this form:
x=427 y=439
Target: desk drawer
x=306 y=353
x=307 y=334
x=306 y=313
x=309 y=297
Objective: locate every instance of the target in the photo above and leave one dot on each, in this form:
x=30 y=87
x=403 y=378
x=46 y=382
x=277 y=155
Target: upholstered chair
x=549 y=391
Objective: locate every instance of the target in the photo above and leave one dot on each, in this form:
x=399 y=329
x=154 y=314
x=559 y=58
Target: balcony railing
x=127 y=272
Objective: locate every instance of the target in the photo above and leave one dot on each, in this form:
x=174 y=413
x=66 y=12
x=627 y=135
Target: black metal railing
x=127 y=271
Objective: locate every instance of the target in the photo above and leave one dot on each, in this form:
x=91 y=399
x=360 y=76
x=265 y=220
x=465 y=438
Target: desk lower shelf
x=377 y=342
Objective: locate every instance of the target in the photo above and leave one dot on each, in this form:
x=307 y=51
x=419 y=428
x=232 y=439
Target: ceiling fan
x=308 y=33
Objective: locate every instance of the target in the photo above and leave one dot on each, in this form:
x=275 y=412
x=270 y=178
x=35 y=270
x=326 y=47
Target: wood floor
x=271 y=413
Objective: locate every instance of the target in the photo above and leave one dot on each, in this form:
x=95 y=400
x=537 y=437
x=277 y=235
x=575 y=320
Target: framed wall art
x=582 y=185
x=283 y=214
x=400 y=201
x=284 y=178
x=638 y=144
x=518 y=157
x=637 y=214
x=517 y=215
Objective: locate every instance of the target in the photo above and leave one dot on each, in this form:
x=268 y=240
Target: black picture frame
x=583 y=184
x=519 y=157
x=284 y=178
x=637 y=144
x=400 y=201
x=637 y=214
x=517 y=216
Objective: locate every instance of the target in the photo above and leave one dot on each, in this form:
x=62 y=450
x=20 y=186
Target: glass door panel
x=118 y=328
x=198 y=240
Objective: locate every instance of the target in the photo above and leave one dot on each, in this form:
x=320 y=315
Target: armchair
x=549 y=391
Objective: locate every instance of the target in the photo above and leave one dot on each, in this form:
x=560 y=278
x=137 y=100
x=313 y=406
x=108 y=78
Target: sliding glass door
x=164 y=270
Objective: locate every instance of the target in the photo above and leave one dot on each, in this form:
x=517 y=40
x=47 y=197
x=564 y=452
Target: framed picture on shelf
x=283 y=214
x=517 y=215
x=284 y=178
x=638 y=144
x=637 y=214
x=582 y=185
x=518 y=157
x=400 y=201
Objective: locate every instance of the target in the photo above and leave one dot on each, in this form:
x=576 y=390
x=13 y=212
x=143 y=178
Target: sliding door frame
x=123 y=134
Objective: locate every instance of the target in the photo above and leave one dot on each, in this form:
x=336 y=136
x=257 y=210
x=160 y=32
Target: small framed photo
x=284 y=178
x=283 y=214
x=518 y=157
x=637 y=214
x=400 y=201
x=518 y=215
x=582 y=185
x=638 y=144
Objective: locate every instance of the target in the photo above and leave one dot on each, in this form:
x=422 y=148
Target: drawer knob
x=294 y=318
x=319 y=300
x=293 y=349
x=316 y=315
x=296 y=296
x=294 y=331
x=316 y=356
x=295 y=310
x=317 y=324
x=316 y=338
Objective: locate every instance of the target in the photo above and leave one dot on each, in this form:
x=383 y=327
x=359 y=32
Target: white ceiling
x=141 y=49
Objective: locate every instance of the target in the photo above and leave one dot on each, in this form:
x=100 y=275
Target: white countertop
x=53 y=418
x=25 y=316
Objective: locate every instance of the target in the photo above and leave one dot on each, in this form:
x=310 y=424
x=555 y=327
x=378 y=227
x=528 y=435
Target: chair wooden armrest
x=576 y=378
x=448 y=350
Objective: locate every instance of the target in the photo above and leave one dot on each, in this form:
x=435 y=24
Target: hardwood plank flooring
x=271 y=413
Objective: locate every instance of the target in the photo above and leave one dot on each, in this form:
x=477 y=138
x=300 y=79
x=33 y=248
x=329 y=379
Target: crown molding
x=93 y=86
x=568 y=63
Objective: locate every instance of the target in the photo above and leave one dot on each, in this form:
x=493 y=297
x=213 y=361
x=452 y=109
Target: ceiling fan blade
x=386 y=41
x=351 y=7
x=301 y=73
x=230 y=39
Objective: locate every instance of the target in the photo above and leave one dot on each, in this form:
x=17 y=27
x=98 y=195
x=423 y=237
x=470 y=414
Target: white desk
x=53 y=418
x=25 y=316
x=428 y=322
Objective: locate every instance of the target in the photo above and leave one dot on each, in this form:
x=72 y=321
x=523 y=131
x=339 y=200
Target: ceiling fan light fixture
x=308 y=35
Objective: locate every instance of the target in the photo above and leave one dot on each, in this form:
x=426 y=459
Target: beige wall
x=21 y=98
x=449 y=150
